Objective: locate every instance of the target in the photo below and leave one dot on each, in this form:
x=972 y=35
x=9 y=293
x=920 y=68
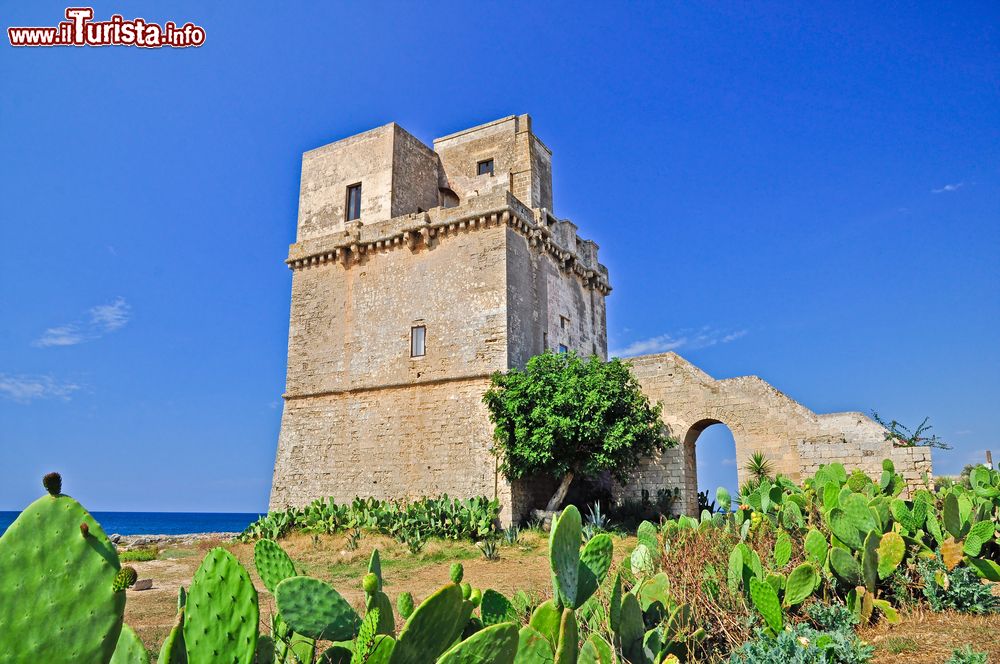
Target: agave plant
x=760 y=467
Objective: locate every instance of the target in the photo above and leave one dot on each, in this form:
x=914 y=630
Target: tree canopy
x=565 y=416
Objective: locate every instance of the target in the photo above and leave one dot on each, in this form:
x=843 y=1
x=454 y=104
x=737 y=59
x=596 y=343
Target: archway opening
x=711 y=462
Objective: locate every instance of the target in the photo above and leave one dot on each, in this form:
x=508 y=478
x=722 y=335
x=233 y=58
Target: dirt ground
x=522 y=567
x=921 y=637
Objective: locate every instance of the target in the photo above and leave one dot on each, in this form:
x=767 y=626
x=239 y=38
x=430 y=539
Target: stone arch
x=688 y=445
x=762 y=419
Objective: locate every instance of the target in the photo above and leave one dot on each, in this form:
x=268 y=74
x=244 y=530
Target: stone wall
x=761 y=419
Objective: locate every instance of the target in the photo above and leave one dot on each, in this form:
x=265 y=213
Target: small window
x=485 y=167
x=563 y=348
x=563 y=322
x=418 y=337
x=545 y=340
x=354 y=202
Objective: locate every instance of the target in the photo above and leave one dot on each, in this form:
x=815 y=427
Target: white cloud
x=24 y=389
x=948 y=188
x=729 y=462
x=684 y=339
x=99 y=321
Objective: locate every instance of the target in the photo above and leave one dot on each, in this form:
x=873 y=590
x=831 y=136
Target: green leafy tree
x=565 y=416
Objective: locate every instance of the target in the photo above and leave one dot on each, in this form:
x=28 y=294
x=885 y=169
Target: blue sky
x=810 y=194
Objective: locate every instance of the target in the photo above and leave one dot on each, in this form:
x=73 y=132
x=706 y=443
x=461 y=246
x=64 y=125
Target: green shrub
x=832 y=617
x=138 y=555
x=967 y=655
x=962 y=591
x=801 y=644
x=444 y=517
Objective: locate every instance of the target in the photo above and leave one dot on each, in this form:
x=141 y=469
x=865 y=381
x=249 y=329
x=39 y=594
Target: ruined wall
x=761 y=419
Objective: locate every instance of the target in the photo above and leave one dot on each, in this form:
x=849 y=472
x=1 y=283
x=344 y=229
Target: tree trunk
x=560 y=494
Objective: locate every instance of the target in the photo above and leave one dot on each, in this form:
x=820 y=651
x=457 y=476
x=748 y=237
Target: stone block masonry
x=458 y=246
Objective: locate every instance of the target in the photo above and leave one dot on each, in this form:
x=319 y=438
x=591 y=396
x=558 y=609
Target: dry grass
x=522 y=567
x=935 y=635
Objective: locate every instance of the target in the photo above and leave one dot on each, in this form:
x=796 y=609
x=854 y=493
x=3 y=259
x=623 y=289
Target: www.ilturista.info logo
x=80 y=30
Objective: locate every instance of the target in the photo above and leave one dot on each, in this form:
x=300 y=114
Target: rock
x=129 y=542
x=143 y=584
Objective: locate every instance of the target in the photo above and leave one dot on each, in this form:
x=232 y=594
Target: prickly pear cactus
x=55 y=573
x=496 y=644
x=432 y=628
x=221 y=612
x=272 y=563
x=405 y=605
x=129 y=649
x=314 y=609
x=765 y=599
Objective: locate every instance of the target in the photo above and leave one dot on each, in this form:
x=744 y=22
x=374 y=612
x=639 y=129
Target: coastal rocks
x=129 y=542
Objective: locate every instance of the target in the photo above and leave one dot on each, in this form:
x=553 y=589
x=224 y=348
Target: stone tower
x=416 y=274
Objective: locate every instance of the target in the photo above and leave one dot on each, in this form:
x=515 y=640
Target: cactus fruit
x=51 y=576
x=432 y=628
x=800 y=584
x=765 y=599
x=52 y=483
x=315 y=610
x=844 y=567
x=476 y=597
x=221 y=613
x=369 y=583
x=125 y=578
x=272 y=563
x=129 y=649
x=891 y=550
x=405 y=605
x=497 y=644
x=457 y=572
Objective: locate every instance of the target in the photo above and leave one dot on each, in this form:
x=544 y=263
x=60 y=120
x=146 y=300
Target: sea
x=161 y=523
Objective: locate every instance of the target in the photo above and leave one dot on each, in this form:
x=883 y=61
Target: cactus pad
x=980 y=533
x=782 y=549
x=532 y=646
x=816 y=547
x=496 y=644
x=129 y=649
x=845 y=567
x=221 y=612
x=272 y=563
x=765 y=599
x=432 y=627
x=891 y=550
x=569 y=638
x=595 y=561
x=495 y=608
x=564 y=554
x=51 y=577
x=800 y=584
x=314 y=609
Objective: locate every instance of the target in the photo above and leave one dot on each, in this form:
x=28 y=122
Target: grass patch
x=899 y=644
x=138 y=555
x=174 y=554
